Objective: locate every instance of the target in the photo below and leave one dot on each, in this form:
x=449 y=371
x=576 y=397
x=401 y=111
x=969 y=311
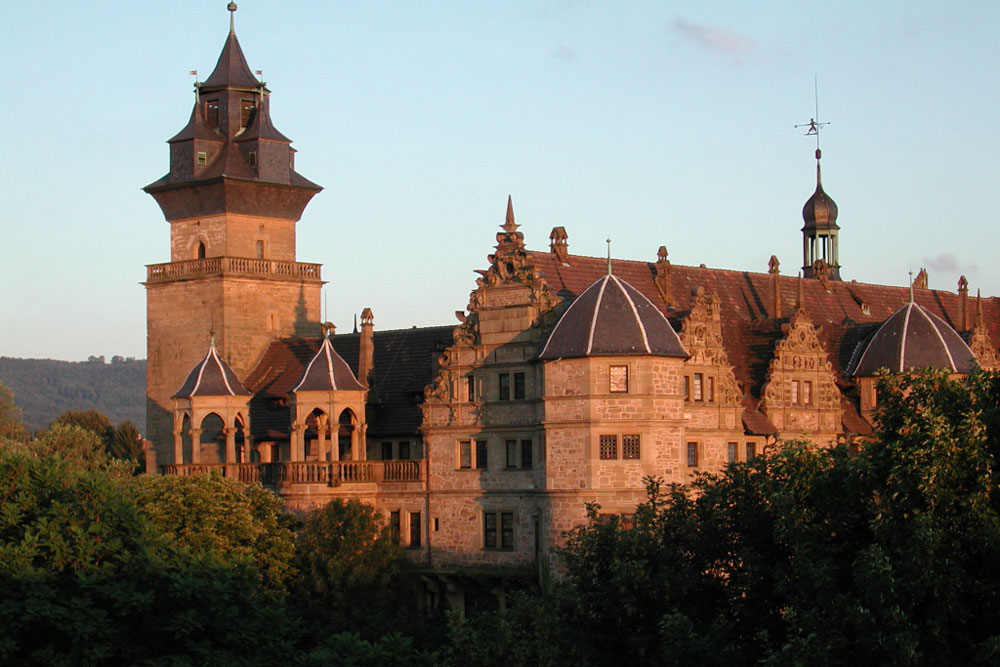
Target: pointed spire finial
x=211 y=339
x=799 y=299
x=509 y=225
x=355 y=323
x=911 y=285
x=232 y=16
x=609 y=255
x=979 y=309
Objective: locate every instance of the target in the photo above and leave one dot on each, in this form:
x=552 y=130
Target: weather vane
x=814 y=124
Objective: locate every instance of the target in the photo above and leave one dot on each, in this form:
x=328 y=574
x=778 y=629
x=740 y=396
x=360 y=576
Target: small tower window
x=247 y=108
x=252 y=158
x=212 y=113
x=260 y=250
x=201 y=251
x=202 y=158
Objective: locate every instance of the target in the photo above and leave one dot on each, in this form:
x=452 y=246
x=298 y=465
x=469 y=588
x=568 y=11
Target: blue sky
x=654 y=123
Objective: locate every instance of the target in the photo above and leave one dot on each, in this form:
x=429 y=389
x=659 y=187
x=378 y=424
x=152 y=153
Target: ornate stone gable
x=800 y=357
x=701 y=334
x=981 y=345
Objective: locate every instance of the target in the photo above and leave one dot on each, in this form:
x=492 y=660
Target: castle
x=568 y=379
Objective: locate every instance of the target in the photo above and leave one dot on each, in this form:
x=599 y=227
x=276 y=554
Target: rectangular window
x=751 y=450
x=710 y=389
x=465 y=454
x=526 y=459
x=252 y=158
x=687 y=387
x=414 y=529
x=692 y=452
x=506 y=530
x=470 y=388
x=260 y=250
x=490 y=530
x=386 y=451
x=504 y=391
x=618 y=379
x=511 y=450
x=212 y=113
x=246 y=112
x=202 y=158
x=404 y=450
x=697 y=388
x=481 y=454
x=731 y=452
x=795 y=392
x=394 y=526
x=807 y=392
x=630 y=447
x=518 y=386
x=609 y=447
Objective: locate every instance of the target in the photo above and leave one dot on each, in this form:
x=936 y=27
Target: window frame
x=627 y=453
x=692 y=454
x=519 y=389
x=414 y=541
x=621 y=386
x=498 y=530
x=503 y=386
x=607 y=446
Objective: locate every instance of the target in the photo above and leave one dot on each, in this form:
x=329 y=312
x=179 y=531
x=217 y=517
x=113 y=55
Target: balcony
x=231 y=266
x=335 y=473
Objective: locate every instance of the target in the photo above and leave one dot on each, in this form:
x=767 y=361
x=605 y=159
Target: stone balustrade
x=231 y=266
x=331 y=473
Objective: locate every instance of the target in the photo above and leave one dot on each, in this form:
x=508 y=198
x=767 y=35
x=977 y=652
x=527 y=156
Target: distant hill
x=45 y=388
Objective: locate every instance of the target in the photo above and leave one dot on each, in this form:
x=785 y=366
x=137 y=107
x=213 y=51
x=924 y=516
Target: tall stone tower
x=232 y=198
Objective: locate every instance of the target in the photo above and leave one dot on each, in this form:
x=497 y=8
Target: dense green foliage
x=806 y=555
x=45 y=388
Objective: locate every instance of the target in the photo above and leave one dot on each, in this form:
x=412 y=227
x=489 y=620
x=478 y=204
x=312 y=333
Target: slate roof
x=327 y=371
x=231 y=69
x=612 y=318
x=912 y=338
x=211 y=377
x=405 y=361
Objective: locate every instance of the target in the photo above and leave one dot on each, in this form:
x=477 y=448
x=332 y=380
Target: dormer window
x=247 y=108
x=212 y=113
x=202 y=159
x=252 y=158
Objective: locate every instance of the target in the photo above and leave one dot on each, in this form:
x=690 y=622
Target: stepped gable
x=211 y=377
x=612 y=318
x=327 y=371
x=404 y=363
x=910 y=339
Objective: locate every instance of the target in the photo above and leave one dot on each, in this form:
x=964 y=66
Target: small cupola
x=211 y=377
x=820 y=252
x=612 y=318
x=327 y=371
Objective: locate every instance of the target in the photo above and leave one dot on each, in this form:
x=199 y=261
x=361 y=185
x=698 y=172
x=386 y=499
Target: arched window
x=201 y=250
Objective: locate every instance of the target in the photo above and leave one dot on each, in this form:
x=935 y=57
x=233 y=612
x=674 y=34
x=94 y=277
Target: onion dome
x=912 y=338
x=612 y=318
x=820 y=211
x=327 y=371
x=211 y=377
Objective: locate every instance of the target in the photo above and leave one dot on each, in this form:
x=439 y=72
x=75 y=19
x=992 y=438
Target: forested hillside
x=45 y=388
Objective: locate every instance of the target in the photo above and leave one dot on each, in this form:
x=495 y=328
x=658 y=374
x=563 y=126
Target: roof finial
x=799 y=300
x=911 y=286
x=609 y=255
x=211 y=339
x=815 y=126
x=509 y=225
x=979 y=309
x=232 y=16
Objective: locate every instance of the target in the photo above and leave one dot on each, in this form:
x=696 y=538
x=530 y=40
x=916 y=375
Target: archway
x=186 y=455
x=316 y=436
x=345 y=436
x=213 y=440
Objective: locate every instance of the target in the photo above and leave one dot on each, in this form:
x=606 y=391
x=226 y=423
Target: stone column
x=230 y=434
x=296 y=445
x=195 y=445
x=178 y=446
x=322 y=422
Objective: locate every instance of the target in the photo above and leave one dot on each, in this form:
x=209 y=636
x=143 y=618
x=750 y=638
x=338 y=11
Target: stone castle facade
x=568 y=379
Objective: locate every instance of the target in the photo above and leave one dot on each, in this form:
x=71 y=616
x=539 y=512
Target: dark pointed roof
x=261 y=126
x=612 y=318
x=211 y=377
x=327 y=371
x=196 y=128
x=820 y=210
x=232 y=70
x=912 y=338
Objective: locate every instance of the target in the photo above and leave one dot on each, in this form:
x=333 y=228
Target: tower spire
x=232 y=17
x=509 y=225
x=819 y=234
x=609 y=255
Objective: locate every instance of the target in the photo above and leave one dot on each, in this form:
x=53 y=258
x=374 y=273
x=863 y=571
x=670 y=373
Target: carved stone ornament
x=800 y=356
x=662 y=280
x=701 y=334
x=822 y=272
x=982 y=347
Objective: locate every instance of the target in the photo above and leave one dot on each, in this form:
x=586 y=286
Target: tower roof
x=912 y=338
x=820 y=211
x=211 y=377
x=327 y=371
x=231 y=71
x=612 y=318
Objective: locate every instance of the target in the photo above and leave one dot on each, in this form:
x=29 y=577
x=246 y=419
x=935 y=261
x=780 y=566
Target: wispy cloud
x=946 y=261
x=727 y=42
x=563 y=52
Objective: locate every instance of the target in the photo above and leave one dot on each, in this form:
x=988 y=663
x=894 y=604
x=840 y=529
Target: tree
x=10 y=416
x=347 y=567
x=126 y=444
x=238 y=524
x=92 y=420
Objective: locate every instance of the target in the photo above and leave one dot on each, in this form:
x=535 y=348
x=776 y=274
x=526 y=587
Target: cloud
x=721 y=40
x=563 y=52
x=946 y=261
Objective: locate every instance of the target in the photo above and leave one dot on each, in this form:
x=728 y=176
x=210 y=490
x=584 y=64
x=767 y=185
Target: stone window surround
x=512 y=386
x=472 y=454
x=618 y=378
x=699 y=387
x=498 y=529
x=623 y=448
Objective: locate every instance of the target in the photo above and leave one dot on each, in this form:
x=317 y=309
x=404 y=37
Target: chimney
x=366 y=346
x=559 y=244
x=772 y=268
x=963 y=304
